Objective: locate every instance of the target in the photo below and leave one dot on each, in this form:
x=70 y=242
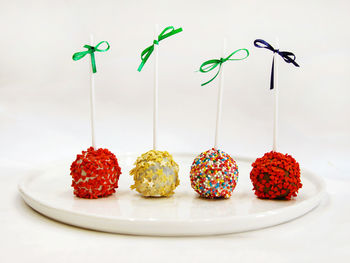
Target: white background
x=44 y=94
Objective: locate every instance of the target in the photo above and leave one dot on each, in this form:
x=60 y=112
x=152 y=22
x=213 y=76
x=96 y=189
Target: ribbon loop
x=264 y=44
x=91 y=50
x=79 y=55
x=210 y=65
x=101 y=43
x=287 y=56
x=172 y=31
x=213 y=63
x=146 y=53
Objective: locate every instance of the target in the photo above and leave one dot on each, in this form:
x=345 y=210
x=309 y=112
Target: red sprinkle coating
x=276 y=176
x=95 y=173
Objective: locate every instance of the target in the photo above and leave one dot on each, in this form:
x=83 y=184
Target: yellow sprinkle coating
x=155 y=174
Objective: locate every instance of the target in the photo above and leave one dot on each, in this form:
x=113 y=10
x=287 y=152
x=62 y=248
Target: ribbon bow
x=213 y=63
x=146 y=53
x=91 y=50
x=288 y=57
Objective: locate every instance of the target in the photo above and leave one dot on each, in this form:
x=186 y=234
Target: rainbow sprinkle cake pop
x=214 y=174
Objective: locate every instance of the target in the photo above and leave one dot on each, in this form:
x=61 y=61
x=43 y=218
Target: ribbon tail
x=143 y=61
x=93 y=63
x=141 y=66
x=295 y=64
x=217 y=73
x=272 y=73
x=144 y=56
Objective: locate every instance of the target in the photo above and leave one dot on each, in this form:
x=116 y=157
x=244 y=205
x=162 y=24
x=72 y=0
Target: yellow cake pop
x=155 y=174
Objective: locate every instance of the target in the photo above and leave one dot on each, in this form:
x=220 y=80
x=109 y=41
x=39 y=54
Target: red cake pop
x=95 y=173
x=275 y=176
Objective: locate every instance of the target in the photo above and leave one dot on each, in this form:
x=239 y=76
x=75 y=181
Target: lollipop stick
x=155 y=91
x=220 y=92
x=92 y=100
x=275 y=116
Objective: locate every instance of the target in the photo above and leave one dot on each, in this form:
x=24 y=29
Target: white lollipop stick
x=220 y=92
x=155 y=91
x=275 y=115
x=92 y=100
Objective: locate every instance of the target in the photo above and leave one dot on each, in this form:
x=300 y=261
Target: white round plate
x=48 y=191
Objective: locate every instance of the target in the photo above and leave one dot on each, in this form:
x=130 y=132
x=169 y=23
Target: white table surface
x=320 y=236
x=44 y=115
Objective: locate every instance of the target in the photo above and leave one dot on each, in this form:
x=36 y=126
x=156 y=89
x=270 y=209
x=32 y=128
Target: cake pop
x=95 y=172
x=155 y=174
x=214 y=173
x=275 y=175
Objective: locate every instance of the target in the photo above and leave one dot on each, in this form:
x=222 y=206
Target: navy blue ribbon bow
x=288 y=57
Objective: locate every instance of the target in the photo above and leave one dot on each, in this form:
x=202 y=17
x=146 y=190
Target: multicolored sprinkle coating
x=155 y=174
x=214 y=174
x=276 y=176
x=95 y=173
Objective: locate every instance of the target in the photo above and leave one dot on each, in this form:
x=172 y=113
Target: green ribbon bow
x=213 y=63
x=91 y=50
x=146 y=53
